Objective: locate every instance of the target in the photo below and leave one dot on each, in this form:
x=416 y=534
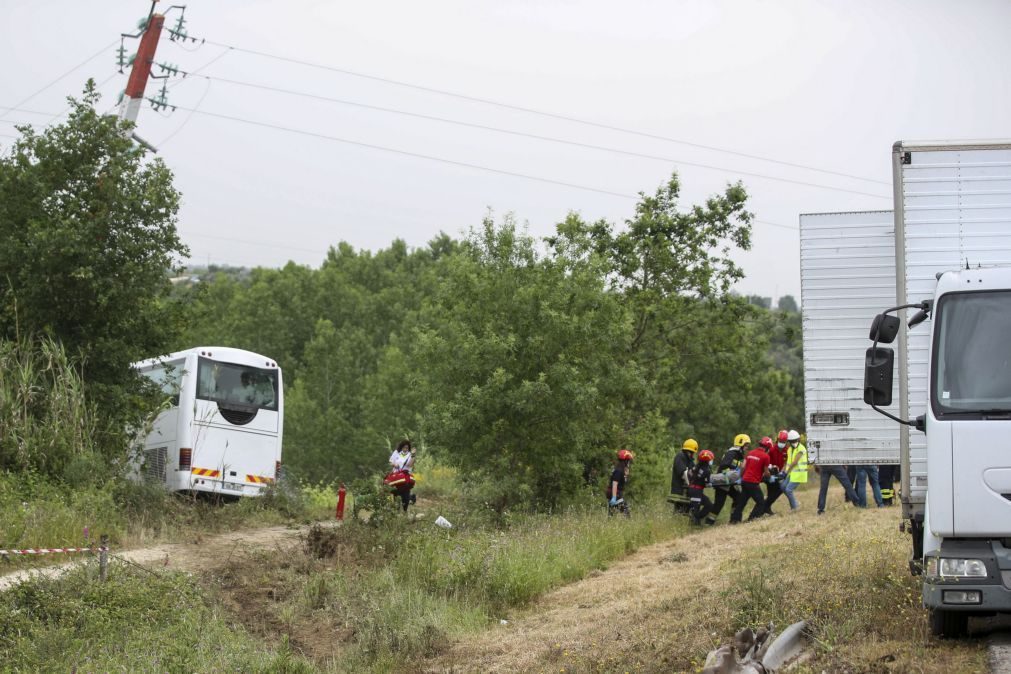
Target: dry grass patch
x=845 y=572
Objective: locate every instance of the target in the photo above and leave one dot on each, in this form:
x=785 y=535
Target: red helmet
x=765 y=443
x=706 y=455
x=625 y=455
x=782 y=436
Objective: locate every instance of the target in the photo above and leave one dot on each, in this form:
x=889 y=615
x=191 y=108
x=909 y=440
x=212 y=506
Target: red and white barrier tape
x=46 y=551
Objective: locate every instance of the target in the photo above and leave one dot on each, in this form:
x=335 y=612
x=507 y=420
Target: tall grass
x=46 y=420
x=401 y=593
x=135 y=621
x=498 y=570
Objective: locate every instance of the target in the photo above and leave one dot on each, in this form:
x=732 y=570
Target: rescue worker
x=756 y=471
x=796 y=464
x=777 y=461
x=402 y=459
x=698 y=480
x=886 y=477
x=616 y=487
x=730 y=465
x=684 y=460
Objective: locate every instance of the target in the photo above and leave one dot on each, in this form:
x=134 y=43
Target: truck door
x=971 y=400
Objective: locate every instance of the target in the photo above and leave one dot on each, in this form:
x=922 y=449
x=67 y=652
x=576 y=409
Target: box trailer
x=847 y=273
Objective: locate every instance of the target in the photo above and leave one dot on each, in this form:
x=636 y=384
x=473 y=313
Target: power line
x=202 y=97
x=418 y=155
x=533 y=111
x=263 y=244
x=79 y=65
x=313 y=134
x=523 y=134
x=52 y=116
x=315 y=251
x=25 y=112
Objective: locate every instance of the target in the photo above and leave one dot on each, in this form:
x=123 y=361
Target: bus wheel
x=948 y=624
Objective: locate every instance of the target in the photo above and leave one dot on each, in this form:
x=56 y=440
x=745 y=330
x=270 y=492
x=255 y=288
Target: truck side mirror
x=879 y=364
x=884 y=328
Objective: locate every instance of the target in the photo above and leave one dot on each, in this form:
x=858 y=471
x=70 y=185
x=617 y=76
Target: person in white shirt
x=402 y=459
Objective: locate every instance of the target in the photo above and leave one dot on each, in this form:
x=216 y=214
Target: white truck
x=953 y=267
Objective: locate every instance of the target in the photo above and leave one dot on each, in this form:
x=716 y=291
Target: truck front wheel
x=948 y=624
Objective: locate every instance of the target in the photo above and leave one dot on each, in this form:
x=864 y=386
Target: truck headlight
x=962 y=597
x=931 y=567
x=961 y=568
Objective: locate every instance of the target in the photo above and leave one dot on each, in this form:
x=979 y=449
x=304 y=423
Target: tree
x=674 y=270
x=87 y=237
x=521 y=360
x=787 y=303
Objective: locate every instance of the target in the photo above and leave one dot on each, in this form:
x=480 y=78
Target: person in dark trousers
x=616 y=486
x=777 y=461
x=698 y=480
x=730 y=464
x=851 y=473
x=756 y=471
x=886 y=478
x=684 y=460
x=402 y=459
x=867 y=474
x=827 y=472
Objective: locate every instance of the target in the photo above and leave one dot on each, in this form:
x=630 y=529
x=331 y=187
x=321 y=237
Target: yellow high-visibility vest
x=798 y=474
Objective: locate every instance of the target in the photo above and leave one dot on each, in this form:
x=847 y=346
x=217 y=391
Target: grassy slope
x=355 y=598
x=664 y=608
x=576 y=593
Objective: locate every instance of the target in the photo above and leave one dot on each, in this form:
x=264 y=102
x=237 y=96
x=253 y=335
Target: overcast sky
x=827 y=85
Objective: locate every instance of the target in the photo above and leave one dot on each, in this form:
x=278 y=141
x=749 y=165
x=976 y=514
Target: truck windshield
x=241 y=385
x=971 y=371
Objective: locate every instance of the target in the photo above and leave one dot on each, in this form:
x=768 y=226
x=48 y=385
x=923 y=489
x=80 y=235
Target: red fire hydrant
x=341 y=493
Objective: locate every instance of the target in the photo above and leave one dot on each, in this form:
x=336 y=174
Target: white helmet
x=792 y=436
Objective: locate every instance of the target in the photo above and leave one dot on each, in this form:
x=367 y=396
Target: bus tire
x=948 y=624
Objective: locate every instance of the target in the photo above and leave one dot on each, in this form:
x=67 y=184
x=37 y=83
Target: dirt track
x=200 y=555
x=633 y=616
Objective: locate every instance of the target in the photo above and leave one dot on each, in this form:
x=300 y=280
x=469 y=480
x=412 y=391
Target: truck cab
x=966 y=547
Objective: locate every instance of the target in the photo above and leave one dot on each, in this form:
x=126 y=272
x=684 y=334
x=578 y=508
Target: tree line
x=524 y=362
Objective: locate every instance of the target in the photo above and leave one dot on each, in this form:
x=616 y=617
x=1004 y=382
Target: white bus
x=222 y=432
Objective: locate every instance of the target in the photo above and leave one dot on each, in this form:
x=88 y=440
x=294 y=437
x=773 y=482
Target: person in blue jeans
x=867 y=474
x=839 y=473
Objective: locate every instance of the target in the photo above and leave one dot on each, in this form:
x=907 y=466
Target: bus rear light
x=277 y=470
x=185 y=458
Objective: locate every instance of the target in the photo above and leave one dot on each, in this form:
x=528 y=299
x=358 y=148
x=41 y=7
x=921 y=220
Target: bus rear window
x=240 y=385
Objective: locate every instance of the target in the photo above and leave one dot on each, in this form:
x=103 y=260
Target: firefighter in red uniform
x=756 y=471
x=777 y=460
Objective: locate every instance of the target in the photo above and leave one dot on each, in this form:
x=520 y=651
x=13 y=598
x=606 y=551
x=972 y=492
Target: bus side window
x=172 y=384
x=168 y=380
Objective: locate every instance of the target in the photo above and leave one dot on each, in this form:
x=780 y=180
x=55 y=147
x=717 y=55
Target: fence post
x=103 y=558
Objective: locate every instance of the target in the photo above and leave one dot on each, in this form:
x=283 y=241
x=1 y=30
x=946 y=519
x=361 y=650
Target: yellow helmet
x=690 y=445
x=742 y=439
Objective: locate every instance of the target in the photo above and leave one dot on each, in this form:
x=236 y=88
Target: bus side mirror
x=884 y=328
x=879 y=363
